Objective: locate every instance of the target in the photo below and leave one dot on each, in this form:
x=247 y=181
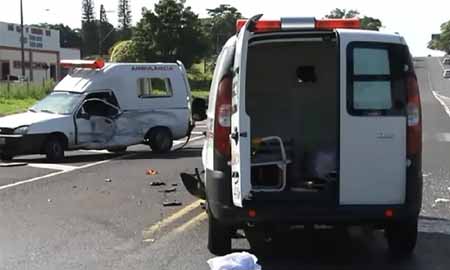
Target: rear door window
x=376 y=79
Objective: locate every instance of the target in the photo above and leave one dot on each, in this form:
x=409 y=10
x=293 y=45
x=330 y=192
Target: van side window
x=154 y=87
x=375 y=79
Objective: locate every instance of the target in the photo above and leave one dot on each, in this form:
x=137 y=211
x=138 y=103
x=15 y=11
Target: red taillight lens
x=338 y=23
x=222 y=124
x=414 y=135
x=261 y=26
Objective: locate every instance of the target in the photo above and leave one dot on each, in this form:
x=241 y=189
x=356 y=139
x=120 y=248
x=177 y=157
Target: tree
x=338 y=13
x=171 y=32
x=124 y=51
x=221 y=25
x=442 y=41
x=89 y=33
x=68 y=38
x=88 y=11
x=368 y=23
x=124 y=15
x=106 y=32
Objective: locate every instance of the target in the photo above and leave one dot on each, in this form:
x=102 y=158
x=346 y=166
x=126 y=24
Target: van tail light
x=414 y=133
x=338 y=23
x=222 y=124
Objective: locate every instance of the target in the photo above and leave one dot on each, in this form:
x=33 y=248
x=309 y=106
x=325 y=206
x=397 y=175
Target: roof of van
x=375 y=35
x=83 y=79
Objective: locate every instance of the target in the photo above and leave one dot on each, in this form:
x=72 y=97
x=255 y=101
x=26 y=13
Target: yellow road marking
x=199 y=218
x=147 y=233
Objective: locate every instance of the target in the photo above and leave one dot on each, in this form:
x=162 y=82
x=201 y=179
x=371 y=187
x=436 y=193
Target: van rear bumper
x=218 y=190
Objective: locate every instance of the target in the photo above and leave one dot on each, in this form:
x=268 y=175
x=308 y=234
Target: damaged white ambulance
x=104 y=106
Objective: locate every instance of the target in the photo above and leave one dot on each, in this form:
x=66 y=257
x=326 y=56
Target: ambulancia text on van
x=311 y=122
x=104 y=106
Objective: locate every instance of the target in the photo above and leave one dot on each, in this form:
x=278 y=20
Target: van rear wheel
x=160 y=140
x=54 y=149
x=401 y=237
x=219 y=236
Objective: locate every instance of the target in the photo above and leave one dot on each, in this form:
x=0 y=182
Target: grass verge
x=13 y=105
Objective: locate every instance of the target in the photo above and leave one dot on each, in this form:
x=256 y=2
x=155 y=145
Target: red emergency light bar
x=323 y=24
x=92 y=64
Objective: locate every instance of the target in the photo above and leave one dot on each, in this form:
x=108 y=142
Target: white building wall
x=42 y=45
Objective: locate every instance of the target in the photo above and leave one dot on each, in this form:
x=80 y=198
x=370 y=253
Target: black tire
x=402 y=237
x=6 y=157
x=118 y=150
x=219 y=237
x=161 y=140
x=54 y=149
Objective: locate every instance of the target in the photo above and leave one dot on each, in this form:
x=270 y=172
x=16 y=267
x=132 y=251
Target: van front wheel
x=160 y=140
x=54 y=149
x=401 y=237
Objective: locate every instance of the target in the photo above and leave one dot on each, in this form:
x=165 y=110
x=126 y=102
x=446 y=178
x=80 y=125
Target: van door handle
x=236 y=134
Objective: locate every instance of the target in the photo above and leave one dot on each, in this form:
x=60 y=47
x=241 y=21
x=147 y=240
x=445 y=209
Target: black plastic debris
x=174 y=185
x=157 y=183
x=169 y=190
x=172 y=203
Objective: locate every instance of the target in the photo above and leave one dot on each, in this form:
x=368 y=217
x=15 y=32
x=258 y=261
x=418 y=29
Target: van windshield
x=58 y=102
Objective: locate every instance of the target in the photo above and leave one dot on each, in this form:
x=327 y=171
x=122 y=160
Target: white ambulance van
x=104 y=106
x=311 y=122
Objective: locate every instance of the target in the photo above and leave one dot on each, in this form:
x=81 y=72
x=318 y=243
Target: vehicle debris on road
x=172 y=203
x=108 y=180
x=151 y=172
x=169 y=190
x=440 y=201
x=157 y=183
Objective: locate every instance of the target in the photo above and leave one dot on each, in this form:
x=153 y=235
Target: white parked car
x=310 y=122
x=446 y=74
x=104 y=106
x=446 y=61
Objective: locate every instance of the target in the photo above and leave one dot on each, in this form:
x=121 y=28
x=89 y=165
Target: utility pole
x=22 y=40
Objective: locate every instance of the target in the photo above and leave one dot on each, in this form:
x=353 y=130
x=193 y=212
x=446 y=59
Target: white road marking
x=60 y=172
x=197 y=132
x=75 y=168
x=57 y=167
x=440 y=99
x=442 y=65
x=97 y=151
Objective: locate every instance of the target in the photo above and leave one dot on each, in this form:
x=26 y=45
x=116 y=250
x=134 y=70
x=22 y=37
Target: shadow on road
x=183 y=153
x=84 y=158
x=354 y=250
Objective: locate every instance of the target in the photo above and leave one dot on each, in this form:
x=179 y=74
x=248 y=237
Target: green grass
x=13 y=105
x=23 y=90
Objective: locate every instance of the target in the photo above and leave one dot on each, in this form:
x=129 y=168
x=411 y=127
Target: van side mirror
x=199 y=109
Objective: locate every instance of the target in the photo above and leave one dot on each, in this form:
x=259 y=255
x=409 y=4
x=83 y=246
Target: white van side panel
x=372 y=148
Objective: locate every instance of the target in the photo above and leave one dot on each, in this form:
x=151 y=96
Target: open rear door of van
x=373 y=120
x=240 y=121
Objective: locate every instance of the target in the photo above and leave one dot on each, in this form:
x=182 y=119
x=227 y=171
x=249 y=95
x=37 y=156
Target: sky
x=415 y=20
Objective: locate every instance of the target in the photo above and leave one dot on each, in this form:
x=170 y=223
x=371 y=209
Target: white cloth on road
x=235 y=261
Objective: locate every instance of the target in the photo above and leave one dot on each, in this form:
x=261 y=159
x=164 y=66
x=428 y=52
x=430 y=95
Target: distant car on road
x=446 y=74
x=446 y=61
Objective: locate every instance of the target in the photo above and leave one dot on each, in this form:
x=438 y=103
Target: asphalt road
x=100 y=212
